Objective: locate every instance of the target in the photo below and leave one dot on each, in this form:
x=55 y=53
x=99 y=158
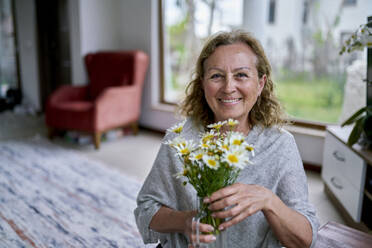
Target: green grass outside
x=315 y=100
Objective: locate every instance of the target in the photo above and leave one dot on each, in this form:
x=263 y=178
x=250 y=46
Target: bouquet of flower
x=212 y=163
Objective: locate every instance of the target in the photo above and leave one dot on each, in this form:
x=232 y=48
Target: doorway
x=54 y=46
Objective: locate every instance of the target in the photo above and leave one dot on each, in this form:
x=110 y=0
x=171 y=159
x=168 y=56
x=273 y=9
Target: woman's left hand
x=243 y=200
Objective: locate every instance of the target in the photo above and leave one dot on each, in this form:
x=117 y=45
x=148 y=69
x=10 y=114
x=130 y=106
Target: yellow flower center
x=212 y=162
x=199 y=156
x=233 y=158
x=178 y=129
x=237 y=142
x=204 y=145
x=226 y=147
x=249 y=148
x=184 y=151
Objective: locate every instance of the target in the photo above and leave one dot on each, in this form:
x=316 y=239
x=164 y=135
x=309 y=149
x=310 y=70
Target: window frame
x=16 y=46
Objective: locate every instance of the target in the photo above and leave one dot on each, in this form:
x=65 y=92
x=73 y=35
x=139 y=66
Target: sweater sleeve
x=292 y=186
x=155 y=192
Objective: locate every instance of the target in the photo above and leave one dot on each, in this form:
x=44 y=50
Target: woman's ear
x=261 y=83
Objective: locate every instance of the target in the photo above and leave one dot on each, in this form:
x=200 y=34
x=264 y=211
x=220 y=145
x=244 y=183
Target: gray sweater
x=277 y=166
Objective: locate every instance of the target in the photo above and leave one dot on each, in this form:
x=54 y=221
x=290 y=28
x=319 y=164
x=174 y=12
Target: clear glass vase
x=204 y=216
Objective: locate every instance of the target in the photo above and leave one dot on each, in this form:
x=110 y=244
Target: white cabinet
x=344 y=173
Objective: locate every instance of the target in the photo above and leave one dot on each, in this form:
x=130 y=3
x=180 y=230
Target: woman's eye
x=215 y=76
x=241 y=75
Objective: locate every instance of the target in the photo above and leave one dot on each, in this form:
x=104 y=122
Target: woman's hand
x=243 y=200
x=191 y=231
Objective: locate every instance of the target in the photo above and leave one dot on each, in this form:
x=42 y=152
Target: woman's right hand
x=195 y=237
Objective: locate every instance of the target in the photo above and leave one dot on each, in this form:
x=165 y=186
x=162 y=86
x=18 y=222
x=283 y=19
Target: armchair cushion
x=107 y=69
x=66 y=114
x=112 y=108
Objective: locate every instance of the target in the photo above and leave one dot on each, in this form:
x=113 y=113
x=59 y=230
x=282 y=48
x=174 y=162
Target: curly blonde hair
x=267 y=110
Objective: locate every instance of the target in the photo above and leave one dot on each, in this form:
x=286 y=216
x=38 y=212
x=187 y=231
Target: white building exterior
x=289 y=27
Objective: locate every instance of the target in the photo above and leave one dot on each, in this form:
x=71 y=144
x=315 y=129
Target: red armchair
x=112 y=98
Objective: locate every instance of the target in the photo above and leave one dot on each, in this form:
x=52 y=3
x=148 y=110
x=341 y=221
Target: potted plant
x=362 y=119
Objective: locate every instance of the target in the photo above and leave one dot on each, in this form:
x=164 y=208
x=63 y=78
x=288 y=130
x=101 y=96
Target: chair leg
x=97 y=139
x=134 y=127
x=51 y=132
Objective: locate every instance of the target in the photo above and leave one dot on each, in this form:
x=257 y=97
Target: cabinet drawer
x=349 y=197
x=337 y=156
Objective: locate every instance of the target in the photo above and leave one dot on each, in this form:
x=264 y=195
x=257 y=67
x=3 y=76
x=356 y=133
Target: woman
x=268 y=206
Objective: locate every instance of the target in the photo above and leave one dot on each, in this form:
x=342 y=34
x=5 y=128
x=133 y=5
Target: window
x=8 y=59
x=272 y=11
x=305 y=13
x=350 y=2
x=303 y=49
x=186 y=24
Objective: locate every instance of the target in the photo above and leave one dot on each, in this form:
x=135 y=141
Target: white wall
x=28 y=55
x=94 y=26
x=78 y=76
x=139 y=30
x=99 y=25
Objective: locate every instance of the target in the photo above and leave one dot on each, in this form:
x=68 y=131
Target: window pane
x=187 y=23
x=303 y=47
x=272 y=12
x=309 y=73
x=8 y=68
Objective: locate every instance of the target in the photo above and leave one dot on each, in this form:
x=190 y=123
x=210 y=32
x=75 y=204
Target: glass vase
x=204 y=216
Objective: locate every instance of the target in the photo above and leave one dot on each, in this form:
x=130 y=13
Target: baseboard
x=312 y=167
x=157 y=131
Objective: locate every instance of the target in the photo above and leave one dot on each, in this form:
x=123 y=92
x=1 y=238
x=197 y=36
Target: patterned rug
x=53 y=197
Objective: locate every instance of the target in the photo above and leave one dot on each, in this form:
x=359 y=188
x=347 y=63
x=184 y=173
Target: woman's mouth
x=230 y=101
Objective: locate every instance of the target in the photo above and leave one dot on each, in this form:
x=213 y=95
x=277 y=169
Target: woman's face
x=231 y=84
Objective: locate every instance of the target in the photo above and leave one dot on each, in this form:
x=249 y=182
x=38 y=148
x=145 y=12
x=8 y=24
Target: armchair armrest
x=69 y=93
x=117 y=106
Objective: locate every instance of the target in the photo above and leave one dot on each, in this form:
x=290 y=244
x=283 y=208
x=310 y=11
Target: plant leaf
x=353 y=118
x=356 y=132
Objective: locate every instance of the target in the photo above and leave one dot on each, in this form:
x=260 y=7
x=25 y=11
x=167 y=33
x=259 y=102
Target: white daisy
x=176 y=142
x=208 y=136
x=217 y=125
x=177 y=128
x=196 y=155
x=185 y=147
x=211 y=162
x=232 y=122
x=235 y=158
x=235 y=138
x=249 y=148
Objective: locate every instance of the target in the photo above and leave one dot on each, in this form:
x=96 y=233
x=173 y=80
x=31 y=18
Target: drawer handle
x=338 y=156
x=335 y=183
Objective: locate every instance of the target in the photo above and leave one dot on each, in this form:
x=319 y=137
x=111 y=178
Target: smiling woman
x=268 y=205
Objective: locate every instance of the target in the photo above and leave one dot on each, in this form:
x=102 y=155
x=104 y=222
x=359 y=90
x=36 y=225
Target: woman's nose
x=229 y=85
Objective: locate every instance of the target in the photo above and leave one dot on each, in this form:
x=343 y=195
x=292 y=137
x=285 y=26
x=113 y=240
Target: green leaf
x=356 y=132
x=353 y=118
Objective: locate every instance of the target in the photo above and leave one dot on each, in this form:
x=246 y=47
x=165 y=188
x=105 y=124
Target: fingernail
x=213 y=215
x=220 y=228
x=210 y=229
x=213 y=238
x=206 y=200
